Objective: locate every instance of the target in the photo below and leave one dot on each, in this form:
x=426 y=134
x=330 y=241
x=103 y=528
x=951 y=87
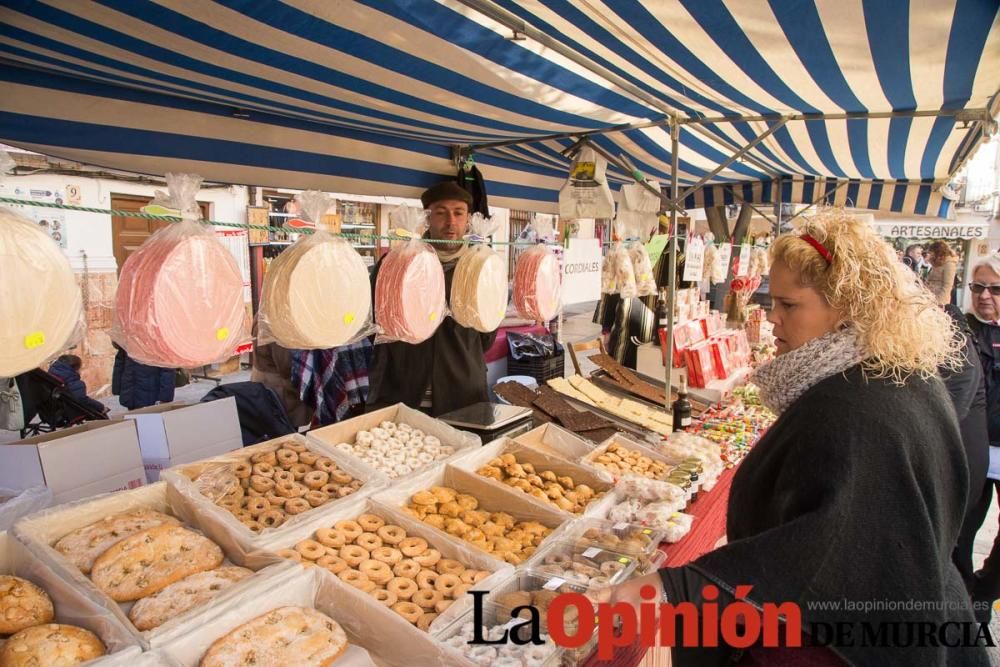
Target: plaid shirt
x=332 y=381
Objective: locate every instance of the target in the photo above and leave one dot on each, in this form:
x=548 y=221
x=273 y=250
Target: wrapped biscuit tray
x=557 y=441
x=72 y=605
x=491 y=498
x=494 y=615
x=43 y=529
x=223 y=527
x=592 y=554
x=474 y=460
x=366 y=626
x=346 y=431
x=628 y=444
x=450 y=547
x=620 y=530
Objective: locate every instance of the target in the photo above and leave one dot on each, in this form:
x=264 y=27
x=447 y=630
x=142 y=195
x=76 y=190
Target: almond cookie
x=84 y=545
x=50 y=644
x=284 y=636
x=180 y=596
x=148 y=562
x=22 y=604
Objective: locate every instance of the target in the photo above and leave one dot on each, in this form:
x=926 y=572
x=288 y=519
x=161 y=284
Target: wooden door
x=130 y=233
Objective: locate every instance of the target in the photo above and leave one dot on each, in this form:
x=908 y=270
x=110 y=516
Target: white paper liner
x=557 y=441
x=225 y=529
x=43 y=529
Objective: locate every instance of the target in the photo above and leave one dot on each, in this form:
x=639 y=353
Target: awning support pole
x=675 y=135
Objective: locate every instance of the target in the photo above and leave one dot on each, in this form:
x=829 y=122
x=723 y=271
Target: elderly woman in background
x=858 y=490
x=944 y=265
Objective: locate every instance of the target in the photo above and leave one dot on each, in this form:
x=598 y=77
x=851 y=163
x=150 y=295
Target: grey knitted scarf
x=786 y=378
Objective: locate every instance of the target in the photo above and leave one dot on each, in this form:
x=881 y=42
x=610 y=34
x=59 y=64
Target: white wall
x=90 y=233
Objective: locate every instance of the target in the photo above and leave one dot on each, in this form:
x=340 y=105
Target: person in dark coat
x=857 y=492
x=984 y=323
x=138 y=385
x=447 y=371
x=67 y=368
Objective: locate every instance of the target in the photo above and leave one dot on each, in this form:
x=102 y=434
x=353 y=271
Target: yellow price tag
x=624 y=561
x=222 y=334
x=434 y=317
x=34 y=339
x=647 y=531
x=644 y=277
x=348 y=318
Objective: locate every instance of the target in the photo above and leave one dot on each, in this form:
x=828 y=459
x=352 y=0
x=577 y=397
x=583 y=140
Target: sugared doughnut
x=426 y=578
x=295 y=506
x=350 y=529
x=447 y=583
x=316 y=498
x=448 y=566
x=409 y=611
x=290 y=554
x=370 y=522
x=311 y=549
x=387 y=555
x=391 y=534
x=408 y=569
x=387 y=598
x=358 y=580
x=315 y=479
x=331 y=537
x=299 y=470
x=428 y=558
x=354 y=555
x=413 y=546
x=377 y=571
x=426 y=598
x=402 y=587
x=368 y=541
x=324 y=464
x=287 y=457
x=272 y=518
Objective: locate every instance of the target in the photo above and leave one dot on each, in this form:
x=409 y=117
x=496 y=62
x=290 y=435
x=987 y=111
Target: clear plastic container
x=458 y=635
x=626 y=538
x=582 y=563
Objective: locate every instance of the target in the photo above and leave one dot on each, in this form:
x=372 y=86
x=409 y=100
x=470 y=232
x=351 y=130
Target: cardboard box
x=79 y=462
x=175 y=433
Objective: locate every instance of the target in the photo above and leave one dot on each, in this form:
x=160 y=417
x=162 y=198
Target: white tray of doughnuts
x=365 y=628
x=429 y=551
x=440 y=438
x=69 y=606
x=40 y=533
x=545 y=473
x=516 y=509
x=228 y=529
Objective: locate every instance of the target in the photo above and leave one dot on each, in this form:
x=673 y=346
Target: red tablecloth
x=709 y=510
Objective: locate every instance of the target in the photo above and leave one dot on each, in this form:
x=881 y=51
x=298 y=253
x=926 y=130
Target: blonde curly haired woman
x=858 y=490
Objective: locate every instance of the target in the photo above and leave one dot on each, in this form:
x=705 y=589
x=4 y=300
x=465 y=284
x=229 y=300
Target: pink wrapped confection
x=537 y=284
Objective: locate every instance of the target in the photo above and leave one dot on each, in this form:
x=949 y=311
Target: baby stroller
x=44 y=396
x=262 y=416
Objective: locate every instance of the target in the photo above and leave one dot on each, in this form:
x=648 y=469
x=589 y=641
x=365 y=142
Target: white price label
x=620 y=526
x=744 y=267
x=553 y=584
x=591 y=552
x=694 y=260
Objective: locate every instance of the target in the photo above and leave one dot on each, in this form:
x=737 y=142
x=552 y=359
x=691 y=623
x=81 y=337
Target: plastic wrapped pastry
x=624 y=273
x=759 y=263
x=410 y=301
x=479 y=284
x=642 y=269
x=537 y=284
x=316 y=294
x=711 y=257
x=180 y=295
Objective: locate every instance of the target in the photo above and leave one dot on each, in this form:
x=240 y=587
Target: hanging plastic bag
x=479 y=284
x=759 y=263
x=711 y=255
x=609 y=273
x=586 y=193
x=637 y=209
x=41 y=310
x=299 y=308
x=642 y=269
x=624 y=272
x=410 y=300
x=180 y=295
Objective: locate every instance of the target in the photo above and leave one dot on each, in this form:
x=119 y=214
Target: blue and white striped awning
x=370 y=96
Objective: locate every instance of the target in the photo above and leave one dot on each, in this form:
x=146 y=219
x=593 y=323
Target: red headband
x=820 y=248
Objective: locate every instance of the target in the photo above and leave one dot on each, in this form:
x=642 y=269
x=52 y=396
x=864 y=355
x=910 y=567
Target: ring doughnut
x=402 y=587
x=340 y=477
x=387 y=598
x=283 y=476
x=289 y=489
x=253 y=525
x=448 y=566
x=354 y=555
x=357 y=579
x=447 y=583
x=316 y=498
x=558 y=559
x=345 y=491
x=412 y=546
x=243 y=515
x=315 y=479
x=364 y=437
x=294 y=446
x=425 y=620
x=261 y=483
x=391 y=534
x=368 y=541
x=408 y=569
x=377 y=571
x=272 y=518
x=443 y=604
x=287 y=457
x=331 y=537
x=370 y=522
x=468 y=577
x=426 y=598
x=460 y=590
x=351 y=529
x=275 y=499
x=308 y=458
x=325 y=464
x=311 y=549
x=428 y=558
x=263 y=469
x=264 y=457
x=335 y=564
x=330 y=489
x=295 y=506
x=300 y=470
x=290 y=554
x=244 y=482
x=387 y=555
x=408 y=610
x=257 y=506
x=427 y=578
x=243 y=470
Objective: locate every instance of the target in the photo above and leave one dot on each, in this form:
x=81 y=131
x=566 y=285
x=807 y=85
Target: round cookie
x=22 y=605
x=50 y=644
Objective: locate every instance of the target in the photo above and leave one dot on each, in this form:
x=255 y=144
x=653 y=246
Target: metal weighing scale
x=491 y=421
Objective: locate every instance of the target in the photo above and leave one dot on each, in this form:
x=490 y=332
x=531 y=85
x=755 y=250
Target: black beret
x=445 y=190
